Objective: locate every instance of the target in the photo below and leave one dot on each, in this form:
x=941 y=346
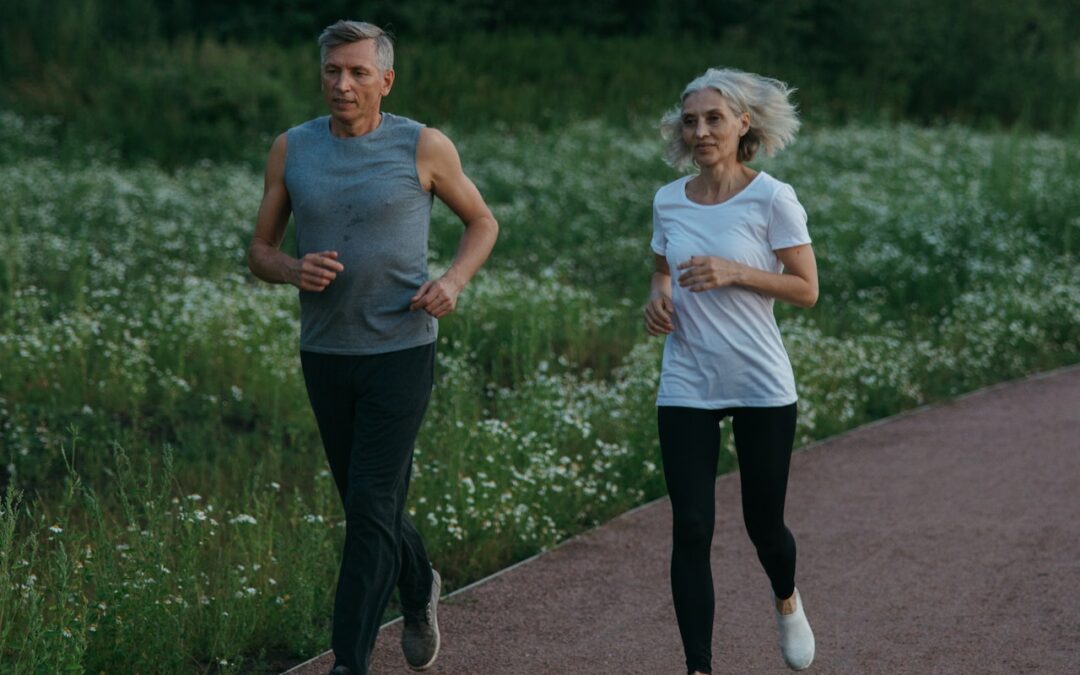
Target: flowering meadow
x=166 y=505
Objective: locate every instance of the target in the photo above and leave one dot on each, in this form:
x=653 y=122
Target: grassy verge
x=167 y=507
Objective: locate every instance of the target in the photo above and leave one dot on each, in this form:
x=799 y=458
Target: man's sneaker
x=796 y=638
x=420 y=636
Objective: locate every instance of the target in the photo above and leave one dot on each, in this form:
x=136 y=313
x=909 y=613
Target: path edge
x=989 y=389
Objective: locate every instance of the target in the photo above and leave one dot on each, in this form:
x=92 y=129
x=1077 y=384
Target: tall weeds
x=167 y=506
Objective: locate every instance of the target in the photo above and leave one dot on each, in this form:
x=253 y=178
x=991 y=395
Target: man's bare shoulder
x=280 y=144
x=434 y=143
x=275 y=162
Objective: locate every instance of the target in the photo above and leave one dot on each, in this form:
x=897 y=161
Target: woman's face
x=711 y=129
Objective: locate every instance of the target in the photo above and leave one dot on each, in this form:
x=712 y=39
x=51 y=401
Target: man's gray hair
x=773 y=118
x=344 y=32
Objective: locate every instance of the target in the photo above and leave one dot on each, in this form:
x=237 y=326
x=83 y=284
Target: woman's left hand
x=704 y=272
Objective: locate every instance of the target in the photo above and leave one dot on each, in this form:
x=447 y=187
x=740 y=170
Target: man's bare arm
x=439 y=167
x=314 y=271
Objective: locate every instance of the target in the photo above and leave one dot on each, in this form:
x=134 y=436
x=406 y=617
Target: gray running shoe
x=420 y=636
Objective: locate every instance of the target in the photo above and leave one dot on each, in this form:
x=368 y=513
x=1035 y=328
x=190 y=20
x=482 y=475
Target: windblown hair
x=344 y=32
x=773 y=117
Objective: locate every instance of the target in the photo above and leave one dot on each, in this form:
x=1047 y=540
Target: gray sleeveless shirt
x=361 y=197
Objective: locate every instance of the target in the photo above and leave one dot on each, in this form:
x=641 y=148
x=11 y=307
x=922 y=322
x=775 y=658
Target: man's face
x=352 y=83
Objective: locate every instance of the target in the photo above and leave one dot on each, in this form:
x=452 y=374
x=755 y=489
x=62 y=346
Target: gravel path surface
x=946 y=540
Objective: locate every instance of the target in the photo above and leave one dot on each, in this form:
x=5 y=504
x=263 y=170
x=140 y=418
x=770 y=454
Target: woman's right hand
x=659 y=315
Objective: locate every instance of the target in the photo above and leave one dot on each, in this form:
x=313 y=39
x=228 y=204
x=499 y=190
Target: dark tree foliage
x=236 y=70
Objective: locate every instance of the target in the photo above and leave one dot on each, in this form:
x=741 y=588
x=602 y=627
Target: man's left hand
x=438 y=298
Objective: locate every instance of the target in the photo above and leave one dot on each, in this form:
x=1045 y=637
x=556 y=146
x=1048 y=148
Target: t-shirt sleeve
x=659 y=240
x=787 y=220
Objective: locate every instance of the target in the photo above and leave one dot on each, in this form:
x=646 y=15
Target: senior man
x=359 y=183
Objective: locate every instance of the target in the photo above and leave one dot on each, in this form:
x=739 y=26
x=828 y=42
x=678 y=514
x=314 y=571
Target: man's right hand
x=315 y=271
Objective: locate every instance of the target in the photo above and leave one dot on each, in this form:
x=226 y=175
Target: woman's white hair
x=344 y=32
x=773 y=117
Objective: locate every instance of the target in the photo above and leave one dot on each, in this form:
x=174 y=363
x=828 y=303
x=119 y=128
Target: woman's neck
x=721 y=181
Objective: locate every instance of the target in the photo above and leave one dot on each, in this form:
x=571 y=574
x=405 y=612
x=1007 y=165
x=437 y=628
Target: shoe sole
x=438 y=635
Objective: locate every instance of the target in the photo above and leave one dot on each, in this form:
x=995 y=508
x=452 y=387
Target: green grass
x=168 y=508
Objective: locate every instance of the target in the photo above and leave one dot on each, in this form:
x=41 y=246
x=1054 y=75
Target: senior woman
x=735 y=239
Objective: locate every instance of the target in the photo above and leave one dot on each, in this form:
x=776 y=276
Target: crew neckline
x=383 y=119
x=685 y=197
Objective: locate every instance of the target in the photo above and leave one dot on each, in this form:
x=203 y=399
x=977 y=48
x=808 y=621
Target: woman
x=729 y=232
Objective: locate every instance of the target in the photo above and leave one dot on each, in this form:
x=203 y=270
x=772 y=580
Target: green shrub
x=152 y=408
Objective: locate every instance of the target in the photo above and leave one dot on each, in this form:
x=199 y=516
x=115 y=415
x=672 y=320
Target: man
x=359 y=184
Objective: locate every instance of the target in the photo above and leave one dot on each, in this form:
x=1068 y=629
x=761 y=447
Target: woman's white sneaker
x=796 y=638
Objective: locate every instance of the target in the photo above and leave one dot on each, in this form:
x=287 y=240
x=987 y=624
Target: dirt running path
x=942 y=541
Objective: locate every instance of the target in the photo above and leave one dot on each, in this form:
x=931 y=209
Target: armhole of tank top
x=416 y=158
x=288 y=155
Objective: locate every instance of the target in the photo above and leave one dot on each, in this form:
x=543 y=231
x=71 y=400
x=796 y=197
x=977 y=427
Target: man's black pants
x=369 y=409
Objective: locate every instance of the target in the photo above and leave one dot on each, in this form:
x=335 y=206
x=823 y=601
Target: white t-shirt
x=726 y=350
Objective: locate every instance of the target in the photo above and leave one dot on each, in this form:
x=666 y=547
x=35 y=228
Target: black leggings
x=690 y=445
